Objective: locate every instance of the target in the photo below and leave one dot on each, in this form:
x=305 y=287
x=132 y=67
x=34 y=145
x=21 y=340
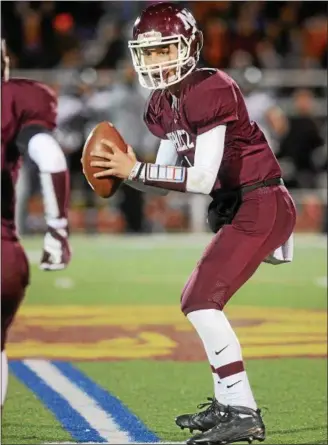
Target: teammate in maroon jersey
x=28 y=117
x=209 y=146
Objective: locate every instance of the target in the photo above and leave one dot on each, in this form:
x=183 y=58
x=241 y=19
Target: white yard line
x=98 y=419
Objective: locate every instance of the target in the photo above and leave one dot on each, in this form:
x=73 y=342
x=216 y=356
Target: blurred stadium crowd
x=277 y=51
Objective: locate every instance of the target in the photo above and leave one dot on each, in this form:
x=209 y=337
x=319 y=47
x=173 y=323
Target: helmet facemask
x=156 y=76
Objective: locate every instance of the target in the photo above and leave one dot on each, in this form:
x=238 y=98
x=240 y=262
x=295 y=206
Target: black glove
x=222 y=209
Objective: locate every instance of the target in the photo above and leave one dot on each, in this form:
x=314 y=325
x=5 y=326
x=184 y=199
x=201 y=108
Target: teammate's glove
x=56 y=250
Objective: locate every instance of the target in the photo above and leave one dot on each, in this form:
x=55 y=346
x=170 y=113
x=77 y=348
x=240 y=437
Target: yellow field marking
x=101 y=315
x=250 y=338
x=153 y=315
x=263 y=332
x=146 y=345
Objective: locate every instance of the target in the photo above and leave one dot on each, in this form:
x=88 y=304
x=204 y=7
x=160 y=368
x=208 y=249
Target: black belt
x=241 y=191
x=257 y=185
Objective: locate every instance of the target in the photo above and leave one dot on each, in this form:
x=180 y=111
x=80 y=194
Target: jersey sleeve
x=152 y=117
x=35 y=104
x=210 y=103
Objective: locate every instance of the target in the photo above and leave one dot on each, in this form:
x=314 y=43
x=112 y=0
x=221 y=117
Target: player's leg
x=265 y=221
x=14 y=279
x=202 y=301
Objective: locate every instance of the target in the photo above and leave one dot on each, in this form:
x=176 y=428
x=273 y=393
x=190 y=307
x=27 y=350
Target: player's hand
x=56 y=250
x=117 y=164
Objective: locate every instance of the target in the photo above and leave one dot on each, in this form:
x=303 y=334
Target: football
x=104 y=187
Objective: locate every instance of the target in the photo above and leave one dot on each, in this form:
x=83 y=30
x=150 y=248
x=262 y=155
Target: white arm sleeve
x=208 y=156
x=166 y=155
x=45 y=151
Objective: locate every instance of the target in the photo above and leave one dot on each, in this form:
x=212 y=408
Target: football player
x=210 y=146
x=28 y=117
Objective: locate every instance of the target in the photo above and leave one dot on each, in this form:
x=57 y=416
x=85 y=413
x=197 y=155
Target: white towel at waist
x=284 y=253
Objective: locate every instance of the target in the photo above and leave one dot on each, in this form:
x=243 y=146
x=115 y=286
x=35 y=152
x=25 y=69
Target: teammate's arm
x=37 y=106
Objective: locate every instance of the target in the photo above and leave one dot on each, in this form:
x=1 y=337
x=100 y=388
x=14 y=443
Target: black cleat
x=204 y=420
x=231 y=428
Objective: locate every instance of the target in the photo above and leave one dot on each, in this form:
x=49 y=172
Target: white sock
x=4 y=376
x=224 y=355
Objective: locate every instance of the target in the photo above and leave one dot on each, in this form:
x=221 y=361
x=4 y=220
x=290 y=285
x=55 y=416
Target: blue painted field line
x=124 y=418
x=69 y=418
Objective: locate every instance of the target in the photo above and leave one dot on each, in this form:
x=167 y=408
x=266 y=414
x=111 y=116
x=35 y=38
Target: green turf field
x=115 y=315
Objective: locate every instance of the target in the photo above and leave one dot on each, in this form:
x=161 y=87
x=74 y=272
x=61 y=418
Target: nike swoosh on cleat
x=219 y=352
x=230 y=386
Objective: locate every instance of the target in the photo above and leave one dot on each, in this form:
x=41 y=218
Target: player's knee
x=205 y=299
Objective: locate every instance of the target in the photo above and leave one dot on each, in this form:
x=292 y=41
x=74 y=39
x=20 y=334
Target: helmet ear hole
x=184 y=49
x=201 y=41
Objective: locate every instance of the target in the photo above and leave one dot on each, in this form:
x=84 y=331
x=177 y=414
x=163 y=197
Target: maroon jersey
x=24 y=103
x=209 y=98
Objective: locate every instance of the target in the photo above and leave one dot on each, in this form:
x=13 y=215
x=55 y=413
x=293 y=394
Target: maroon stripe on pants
x=229 y=369
x=61 y=183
